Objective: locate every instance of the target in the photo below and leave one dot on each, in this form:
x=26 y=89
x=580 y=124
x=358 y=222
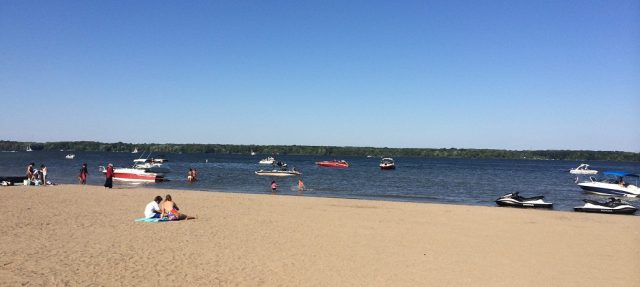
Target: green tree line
x=323 y=150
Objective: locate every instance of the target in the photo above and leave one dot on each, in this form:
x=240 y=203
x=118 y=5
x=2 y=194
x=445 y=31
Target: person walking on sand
x=43 y=173
x=274 y=186
x=83 y=174
x=109 y=174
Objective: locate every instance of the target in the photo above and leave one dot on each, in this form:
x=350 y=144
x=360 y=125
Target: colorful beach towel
x=144 y=219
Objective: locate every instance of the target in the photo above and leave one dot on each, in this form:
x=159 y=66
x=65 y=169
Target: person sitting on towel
x=170 y=210
x=152 y=210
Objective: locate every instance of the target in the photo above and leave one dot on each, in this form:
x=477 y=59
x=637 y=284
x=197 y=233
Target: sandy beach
x=72 y=235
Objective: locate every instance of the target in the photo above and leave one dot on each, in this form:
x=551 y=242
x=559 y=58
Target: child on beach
x=83 y=174
x=43 y=173
x=274 y=186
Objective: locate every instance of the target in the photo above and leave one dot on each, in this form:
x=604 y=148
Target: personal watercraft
x=614 y=205
x=515 y=200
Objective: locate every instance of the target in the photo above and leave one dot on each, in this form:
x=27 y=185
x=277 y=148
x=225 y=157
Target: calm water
x=458 y=181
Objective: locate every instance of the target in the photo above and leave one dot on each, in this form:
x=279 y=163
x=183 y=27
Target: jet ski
x=614 y=205
x=515 y=200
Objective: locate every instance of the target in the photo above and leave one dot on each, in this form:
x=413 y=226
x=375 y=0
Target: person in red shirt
x=109 y=182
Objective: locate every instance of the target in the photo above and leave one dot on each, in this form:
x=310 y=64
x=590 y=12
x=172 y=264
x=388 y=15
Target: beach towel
x=144 y=219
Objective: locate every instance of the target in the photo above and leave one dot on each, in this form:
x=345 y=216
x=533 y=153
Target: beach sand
x=72 y=235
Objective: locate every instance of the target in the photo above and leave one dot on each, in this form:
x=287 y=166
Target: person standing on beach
x=109 y=174
x=43 y=172
x=274 y=186
x=83 y=174
x=300 y=185
x=30 y=171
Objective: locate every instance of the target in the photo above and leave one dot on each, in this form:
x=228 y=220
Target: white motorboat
x=583 y=169
x=614 y=183
x=151 y=165
x=70 y=156
x=143 y=170
x=277 y=172
x=268 y=160
x=387 y=163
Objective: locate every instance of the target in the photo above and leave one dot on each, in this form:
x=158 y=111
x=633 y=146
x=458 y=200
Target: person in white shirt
x=152 y=210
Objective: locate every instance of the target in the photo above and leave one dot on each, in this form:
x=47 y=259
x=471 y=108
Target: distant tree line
x=323 y=150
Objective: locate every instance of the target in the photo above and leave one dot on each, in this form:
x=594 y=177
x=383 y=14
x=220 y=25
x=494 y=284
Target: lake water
x=437 y=180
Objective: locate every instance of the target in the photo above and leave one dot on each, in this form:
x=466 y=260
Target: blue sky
x=433 y=74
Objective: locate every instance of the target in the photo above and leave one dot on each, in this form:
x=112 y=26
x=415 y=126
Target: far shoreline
x=315 y=150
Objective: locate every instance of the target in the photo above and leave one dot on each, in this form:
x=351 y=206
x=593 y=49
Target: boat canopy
x=620 y=173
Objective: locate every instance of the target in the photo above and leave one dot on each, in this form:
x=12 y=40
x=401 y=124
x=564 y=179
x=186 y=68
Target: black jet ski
x=614 y=205
x=515 y=200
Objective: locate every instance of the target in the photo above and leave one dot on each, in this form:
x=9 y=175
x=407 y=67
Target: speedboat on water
x=151 y=165
x=614 y=183
x=614 y=205
x=134 y=174
x=515 y=200
x=387 y=163
x=143 y=170
x=277 y=172
x=583 y=169
x=333 y=163
x=268 y=160
x=70 y=156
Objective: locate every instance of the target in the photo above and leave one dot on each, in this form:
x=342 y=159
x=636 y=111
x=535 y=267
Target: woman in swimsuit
x=170 y=210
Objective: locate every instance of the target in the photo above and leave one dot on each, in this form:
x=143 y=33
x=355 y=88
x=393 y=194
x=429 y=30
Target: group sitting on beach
x=167 y=209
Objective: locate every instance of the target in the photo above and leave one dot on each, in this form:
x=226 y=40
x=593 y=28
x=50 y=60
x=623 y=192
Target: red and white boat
x=136 y=175
x=333 y=163
x=142 y=171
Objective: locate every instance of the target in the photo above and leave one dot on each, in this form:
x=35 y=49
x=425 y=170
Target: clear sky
x=432 y=74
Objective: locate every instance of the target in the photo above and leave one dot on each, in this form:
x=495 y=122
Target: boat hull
x=525 y=204
x=602 y=188
x=577 y=171
x=597 y=209
x=136 y=175
x=277 y=173
x=335 y=164
x=387 y=167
